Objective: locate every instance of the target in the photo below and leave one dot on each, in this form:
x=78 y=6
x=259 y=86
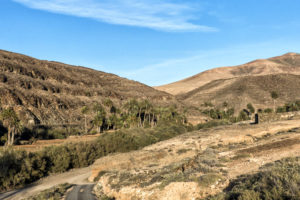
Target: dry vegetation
x=53 y=93
x=196 y=164
x=56 y=100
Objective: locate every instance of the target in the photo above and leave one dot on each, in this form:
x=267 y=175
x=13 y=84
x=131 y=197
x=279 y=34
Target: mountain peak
x=291 y=54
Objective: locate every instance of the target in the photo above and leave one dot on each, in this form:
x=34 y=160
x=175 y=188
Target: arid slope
x=285 y=64
x=238 y=92
x=53 y=93
x=196 y=164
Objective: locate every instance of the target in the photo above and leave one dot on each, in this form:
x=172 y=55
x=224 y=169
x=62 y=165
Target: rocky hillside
x=238 y=92
x=53 y=93
x=285 y=64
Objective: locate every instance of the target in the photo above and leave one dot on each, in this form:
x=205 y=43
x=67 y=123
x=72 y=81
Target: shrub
x=18 y=168
x=250 y=108
x=280 y=110
x=279 y=180
x=243 y=116
x=268 y=110
x=211 y=124
x=54 y=193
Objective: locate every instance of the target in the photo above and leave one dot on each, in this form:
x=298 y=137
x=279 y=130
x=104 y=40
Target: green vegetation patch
x=18 y=168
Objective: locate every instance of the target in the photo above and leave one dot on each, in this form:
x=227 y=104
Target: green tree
x=274 y=96
x=250 y=108
x=13 y=124
x=99 y=119
x=133 y=110
x=84 y=111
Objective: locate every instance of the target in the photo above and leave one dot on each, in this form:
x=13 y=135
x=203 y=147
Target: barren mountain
x=53 y=93
x=285 y=64
x=238 y=92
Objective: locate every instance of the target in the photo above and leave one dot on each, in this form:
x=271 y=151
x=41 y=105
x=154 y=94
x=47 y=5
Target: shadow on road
x=81 y=192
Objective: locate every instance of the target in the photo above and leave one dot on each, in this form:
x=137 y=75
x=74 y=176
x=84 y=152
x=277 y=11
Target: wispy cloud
x=171 y=70
x=155 y=14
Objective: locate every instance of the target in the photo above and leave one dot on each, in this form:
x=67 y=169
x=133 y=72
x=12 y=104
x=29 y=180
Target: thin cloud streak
x=153 y=14
x=177 y=69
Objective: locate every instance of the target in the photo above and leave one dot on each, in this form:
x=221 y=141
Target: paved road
x=81 y=192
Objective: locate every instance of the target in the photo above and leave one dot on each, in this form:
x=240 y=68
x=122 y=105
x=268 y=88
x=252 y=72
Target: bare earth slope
x=196 y=164
x=52 y=92
x=288 y=63
x=238 y=92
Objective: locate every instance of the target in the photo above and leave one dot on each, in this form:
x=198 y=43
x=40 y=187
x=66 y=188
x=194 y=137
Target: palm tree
x=145 y=107
x=274 y=96
x=100 y=116
x=13 y=124
x=133 y=111
x=84 y=111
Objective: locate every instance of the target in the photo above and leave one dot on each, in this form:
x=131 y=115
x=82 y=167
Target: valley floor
x=193 y=165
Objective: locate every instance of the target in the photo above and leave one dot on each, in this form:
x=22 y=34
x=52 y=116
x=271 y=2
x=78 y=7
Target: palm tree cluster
x=133 y=113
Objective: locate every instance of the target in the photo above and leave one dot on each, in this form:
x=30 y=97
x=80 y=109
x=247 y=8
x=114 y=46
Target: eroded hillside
x=238 y=92
x=53 y=93
x=285 y=64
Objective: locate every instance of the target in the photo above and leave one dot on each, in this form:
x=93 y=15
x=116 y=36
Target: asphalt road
x=81 y=192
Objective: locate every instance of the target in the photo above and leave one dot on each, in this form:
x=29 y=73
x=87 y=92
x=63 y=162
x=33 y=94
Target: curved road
x=81 y=192
x=79 y=177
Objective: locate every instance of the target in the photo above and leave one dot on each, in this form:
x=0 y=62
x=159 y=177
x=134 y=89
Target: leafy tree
x=250 y=108
x=274 y=96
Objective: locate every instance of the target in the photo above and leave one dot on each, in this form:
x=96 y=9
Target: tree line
x=97 y=117
x=134 y=113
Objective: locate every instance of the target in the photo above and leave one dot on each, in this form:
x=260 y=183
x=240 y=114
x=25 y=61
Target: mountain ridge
x=288 y=63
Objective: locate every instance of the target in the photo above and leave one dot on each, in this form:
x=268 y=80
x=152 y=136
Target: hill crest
x=52 y=92
x=286 y=64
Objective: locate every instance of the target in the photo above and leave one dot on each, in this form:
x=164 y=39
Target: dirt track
x=76 y=176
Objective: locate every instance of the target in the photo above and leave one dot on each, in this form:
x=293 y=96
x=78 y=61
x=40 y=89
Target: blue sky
x=151 y=41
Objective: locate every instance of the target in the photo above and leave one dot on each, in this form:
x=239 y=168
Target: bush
x=243 y=116
x=54 y=193
x=268 y=110
x=18 y=168
x=279 y=180
x=211 y=124
x=250 y=108
x=280 y=110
